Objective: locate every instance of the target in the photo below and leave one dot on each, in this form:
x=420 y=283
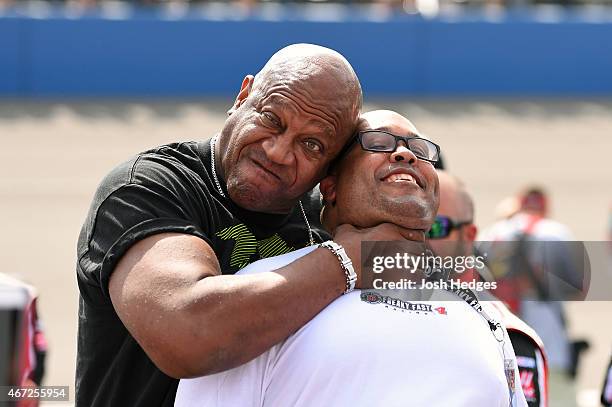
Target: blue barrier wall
x=11 y=62
x=145 y=55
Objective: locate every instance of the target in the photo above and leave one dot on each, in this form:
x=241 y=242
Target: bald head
x=384 y=119
x=308 y=58
x=318 y=74
x=455 y=202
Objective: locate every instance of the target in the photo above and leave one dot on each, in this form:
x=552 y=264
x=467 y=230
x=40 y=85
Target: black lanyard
x=467 y=295
x=470 y=298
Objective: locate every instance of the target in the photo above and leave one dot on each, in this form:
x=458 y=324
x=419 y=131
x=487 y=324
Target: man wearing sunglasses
x=453 y=222
x=371 y=347
x=453 y=234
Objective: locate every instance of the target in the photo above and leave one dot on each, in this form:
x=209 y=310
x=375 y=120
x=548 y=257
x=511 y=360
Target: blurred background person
x=23 y=346
x=532 y=264
x=453 y=234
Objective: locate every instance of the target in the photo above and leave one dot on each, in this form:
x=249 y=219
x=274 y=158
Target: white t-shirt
x=371 y=350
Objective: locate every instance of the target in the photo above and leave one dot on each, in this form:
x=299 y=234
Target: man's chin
x=257 y=200
x=410 y=214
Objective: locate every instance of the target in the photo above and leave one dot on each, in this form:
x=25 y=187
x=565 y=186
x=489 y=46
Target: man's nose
x=402 y=153
x=279 y=149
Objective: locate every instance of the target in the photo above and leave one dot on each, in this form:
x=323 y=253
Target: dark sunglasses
x=443 y=226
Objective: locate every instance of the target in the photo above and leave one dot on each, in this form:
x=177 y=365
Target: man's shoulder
x=155 y=184
x=184 y=152
x=159 y=190
x=155 y=162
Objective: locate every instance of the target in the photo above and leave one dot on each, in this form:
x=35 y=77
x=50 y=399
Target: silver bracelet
x=345 y=263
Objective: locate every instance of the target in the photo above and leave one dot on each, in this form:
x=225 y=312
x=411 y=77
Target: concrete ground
x=54 y=154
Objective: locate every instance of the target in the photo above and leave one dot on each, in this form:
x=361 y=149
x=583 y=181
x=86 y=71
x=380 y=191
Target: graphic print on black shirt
x=168 y=189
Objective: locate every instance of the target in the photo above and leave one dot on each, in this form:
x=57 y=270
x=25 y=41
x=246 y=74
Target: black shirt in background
x=525 y=349
x=167 y=189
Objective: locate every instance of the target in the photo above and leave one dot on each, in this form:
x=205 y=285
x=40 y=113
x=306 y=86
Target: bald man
x=453 y=234
x=168 y=229
x=455 y=206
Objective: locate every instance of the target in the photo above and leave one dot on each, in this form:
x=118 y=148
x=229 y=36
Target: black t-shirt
x=167 y=189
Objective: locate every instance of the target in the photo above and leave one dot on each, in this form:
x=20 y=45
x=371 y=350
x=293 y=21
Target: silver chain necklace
x=213 y=142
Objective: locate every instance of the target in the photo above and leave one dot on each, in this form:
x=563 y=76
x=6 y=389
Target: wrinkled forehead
x=313 y=93
x=328 y=77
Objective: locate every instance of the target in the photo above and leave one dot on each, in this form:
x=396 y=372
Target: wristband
x=345 y=263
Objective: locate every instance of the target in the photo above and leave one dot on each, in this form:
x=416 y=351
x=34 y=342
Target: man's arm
x=191 y=320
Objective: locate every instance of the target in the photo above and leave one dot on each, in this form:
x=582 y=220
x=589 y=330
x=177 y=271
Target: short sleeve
x=149 y=195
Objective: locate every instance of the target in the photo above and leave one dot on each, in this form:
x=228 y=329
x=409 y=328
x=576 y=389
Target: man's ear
x=245 y=91
x=327 y=186
x=470 y=231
